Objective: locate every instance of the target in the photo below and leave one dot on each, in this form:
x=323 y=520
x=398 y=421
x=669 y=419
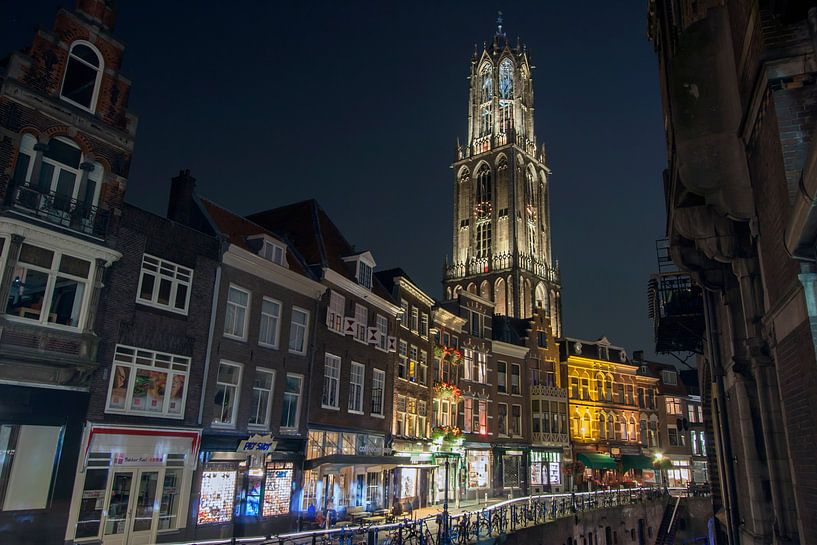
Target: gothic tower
x=501 y=224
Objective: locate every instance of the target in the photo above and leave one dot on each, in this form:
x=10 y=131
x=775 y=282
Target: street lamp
x=660 y=463
x=446 y=535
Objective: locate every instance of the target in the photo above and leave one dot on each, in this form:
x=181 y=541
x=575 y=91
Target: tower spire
x=499 y=24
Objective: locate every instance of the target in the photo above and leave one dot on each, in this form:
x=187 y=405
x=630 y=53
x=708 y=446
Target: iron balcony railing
x=61 y=210
x=502 y=262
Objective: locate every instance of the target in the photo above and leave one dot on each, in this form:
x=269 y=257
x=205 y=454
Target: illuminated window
x=292 y=402
x=261 y=397
x=486 y=97
x=484 y=236
x=673 y=405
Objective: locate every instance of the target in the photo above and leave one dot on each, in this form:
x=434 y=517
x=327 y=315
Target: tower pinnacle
x=499 y=24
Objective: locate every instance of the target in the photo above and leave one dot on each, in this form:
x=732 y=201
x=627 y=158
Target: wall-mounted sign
x=257 y=443
x=123 y=459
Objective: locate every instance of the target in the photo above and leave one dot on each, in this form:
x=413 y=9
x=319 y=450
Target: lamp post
x=445 y=534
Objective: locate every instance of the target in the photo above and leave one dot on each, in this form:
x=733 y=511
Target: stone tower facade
x=501 y=224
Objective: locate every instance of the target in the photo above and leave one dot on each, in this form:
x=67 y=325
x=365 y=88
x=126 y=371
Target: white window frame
x=237 y=386
x=335 y=312
x=365 y=274
x=163 y=269
x=265 y=425
x=53 y=272
x=99 y=71
x=293 y=429
x=135 y=358
x=670 y=378
x=268 y=250
x=356 y=387
x=378 y=375
x=228 y=303
x=305 y=326
x=415 y=319
x=361 y=323
x=424 y=325
x=268 y=317
x=382 y=324
x=404 y=322
x=334 y=378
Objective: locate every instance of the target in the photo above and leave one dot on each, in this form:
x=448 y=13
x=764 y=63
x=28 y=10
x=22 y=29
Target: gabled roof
x=309 y=228
x=237 y=230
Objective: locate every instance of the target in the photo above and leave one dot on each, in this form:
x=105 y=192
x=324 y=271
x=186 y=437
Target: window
x=83 y=72
x=422 y=417
x=585 y=387
x=364 y=275
x=235 y=318
x=475 y=324
x=415 y=319
x=164 y=284
x=273 y=252
x=361 y=322
x=334 y=314
x=468 y=414
x=412 y=361
x=422 y=375
x=383 y=332
x=148 y=382
x=261 y=397
x=225 y=402
x=405 y=316
x=486 y=101
x=424 y=325
x=297 y=330
x=672 y=433
x=331 y=381
x=484 y=234
x=694 y=413
x=673 y=405
x=356 y=388
x=515 y=377
x=502 y=377
x=292 y=402
x=502 y=419
x=27 y=464
x=400 y=416
x=574 y=387
x=670 y=378
x=483 y=418
x=402 y=363
x=378 y=389
x=696 y=446
x=49 y=287
x=270 y=323
x=516 y=419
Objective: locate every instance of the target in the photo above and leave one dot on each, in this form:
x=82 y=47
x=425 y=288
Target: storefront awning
x=635 y=461
x=596 y=460
x=353 y=460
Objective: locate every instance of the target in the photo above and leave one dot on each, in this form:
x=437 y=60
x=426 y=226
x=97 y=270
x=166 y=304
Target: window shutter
x=349 y=325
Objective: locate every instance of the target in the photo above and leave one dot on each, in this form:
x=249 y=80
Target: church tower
x=501 y=223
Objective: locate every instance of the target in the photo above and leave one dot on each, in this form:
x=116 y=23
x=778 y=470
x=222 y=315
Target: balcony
x=501 y=262
x=60 y=210
x=541 y=390
x=43 y=354
x=542 y=438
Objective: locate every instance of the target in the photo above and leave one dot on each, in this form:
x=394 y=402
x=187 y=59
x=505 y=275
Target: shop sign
x=421 y=457
x=615 y=451
x=122 y=459
x=257 y=443
x=555 y=473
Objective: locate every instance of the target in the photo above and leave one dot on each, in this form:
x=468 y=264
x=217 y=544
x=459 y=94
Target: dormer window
x=273 y=252
x=83 y=73
x=364 y=275
x=670 y=378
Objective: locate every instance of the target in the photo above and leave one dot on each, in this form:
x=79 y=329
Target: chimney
x=180 y=206
x=99 y=11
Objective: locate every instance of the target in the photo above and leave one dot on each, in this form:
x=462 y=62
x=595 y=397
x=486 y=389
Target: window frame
x=326 y=357
x=171 y=371
x=382 y=324
x=234 y=417
x=382 y=413
x=245 y=324
x=356 y=389
x=277 y=335
x=268 y=416
x=97 y=83
x=292 y=324
x=270 y=256
x=298 y=396
x=174 y=281
x=335 y=316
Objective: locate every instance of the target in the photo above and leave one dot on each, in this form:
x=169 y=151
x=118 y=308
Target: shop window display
x=217 y=497
x=92 y=503
x=169 y=504
x=478 y=469
x=277 y=489
x=148 y=382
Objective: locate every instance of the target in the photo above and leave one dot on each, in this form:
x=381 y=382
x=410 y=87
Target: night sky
x=359 y=105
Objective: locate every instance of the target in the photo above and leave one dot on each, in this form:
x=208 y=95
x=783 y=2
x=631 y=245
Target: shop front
x=478 y=473
x=546 y=471
x=414 y=482
x=679 y=474
x=245 y=486
x=510 y=476
x=637 y=470
x=454 y=460
x=599 y=471
x=132 y=484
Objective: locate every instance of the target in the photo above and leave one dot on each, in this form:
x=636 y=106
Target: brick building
x=66 y=139
x=737 y=82
x=140 y=450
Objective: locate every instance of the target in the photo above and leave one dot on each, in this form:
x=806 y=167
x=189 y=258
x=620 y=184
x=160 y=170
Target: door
x=131 y=514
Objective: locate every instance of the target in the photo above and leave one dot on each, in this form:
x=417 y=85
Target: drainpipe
x=721 y=421
x=216 y=286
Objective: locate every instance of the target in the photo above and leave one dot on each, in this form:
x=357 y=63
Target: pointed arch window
x=483 y=249
x=83 y=73
x=505 y=96
x=486 y=98
x=483 y=188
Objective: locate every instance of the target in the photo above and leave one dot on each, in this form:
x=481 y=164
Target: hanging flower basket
x=444 y=390
x=443 y=352
x=446 y=433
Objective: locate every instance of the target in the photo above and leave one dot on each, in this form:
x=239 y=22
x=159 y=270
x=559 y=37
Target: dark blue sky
x=359 y=105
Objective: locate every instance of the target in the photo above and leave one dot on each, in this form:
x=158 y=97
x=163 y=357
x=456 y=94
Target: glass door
x=119 y=508
x=144 y=509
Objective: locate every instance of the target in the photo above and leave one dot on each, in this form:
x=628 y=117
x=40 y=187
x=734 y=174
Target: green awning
x=635 y=461
x=596 y=460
